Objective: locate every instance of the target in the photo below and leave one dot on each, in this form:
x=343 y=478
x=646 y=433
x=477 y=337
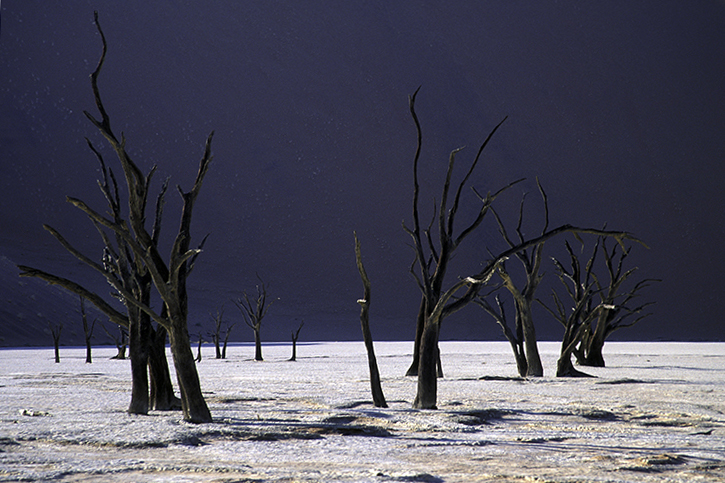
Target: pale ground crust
x=656 y=413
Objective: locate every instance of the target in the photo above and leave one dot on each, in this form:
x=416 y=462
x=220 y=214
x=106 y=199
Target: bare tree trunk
x=198 y=352
x=224 y=347
x=376 y=388
x=533 y=359
x=89 y=358
x=87 y=330
x=427 y=389
x=55 y=332
x=257 y=345
x=564 y=366
x=139 y=333
x=161 y=392
x=193 y=404
x=594 y=344
x=216 y=335
x=293 y=357
x=419 y=326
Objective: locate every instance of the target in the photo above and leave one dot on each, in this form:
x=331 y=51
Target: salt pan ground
x=656 y=413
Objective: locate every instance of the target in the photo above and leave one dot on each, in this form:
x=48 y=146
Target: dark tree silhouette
x=220 y=345
x=253 y=313
x=524 y=297
x=295 y=336
x=465 y=290
x=432 y=257
x=139 y=247
x=198 y=350
x=87 y=330
x=600 y=307
x=121 y=341
x=55 y=330
x=616 y=299
x=376 y=388
x=514 y=337
x=580 y=287
x=432 y=262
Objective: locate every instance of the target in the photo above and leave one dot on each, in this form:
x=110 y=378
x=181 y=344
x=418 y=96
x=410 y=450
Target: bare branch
x=114 y=315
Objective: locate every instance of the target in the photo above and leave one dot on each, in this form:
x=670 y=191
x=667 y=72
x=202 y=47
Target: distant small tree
x=120 y=341
x=295 y=336
x=198 y=351
x=253 y=313
x=87 y=331
x=219 y=345
x=55 y=330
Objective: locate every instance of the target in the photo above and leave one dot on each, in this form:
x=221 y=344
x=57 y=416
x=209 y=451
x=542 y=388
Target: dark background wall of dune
x=617 y=107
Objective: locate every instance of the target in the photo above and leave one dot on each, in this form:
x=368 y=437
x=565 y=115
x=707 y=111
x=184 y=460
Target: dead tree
x=295 y=336
x=219 y=345
x=514 y=337
x=580 y=287
x=432 y=257
x=169 y=279
x=55 y=333
x=215 y=336
x=120 y=341
x=432 y=262
x=463 y=292
x=198 y=351
x=524 y=297
x=122 y=267
x=253 y=313
x=87 y=331
x=614 y=309
x=376 y=388
x=616 y=301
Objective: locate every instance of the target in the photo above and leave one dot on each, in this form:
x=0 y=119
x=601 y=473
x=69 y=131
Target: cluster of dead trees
x=600 y=306
x=138 y=273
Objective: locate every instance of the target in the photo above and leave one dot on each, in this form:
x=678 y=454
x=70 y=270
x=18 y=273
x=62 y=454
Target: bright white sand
x=656 y=413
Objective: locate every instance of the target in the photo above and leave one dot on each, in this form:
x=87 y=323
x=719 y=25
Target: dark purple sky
x=617 y=107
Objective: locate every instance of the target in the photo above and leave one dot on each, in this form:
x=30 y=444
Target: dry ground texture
x=657 y=413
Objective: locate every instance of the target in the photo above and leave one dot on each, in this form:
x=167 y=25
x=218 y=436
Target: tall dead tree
x=169 y=280
x=434 y=252
x=122 y=267
x=524 y=297
x=253 y=313
x=376 y=388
